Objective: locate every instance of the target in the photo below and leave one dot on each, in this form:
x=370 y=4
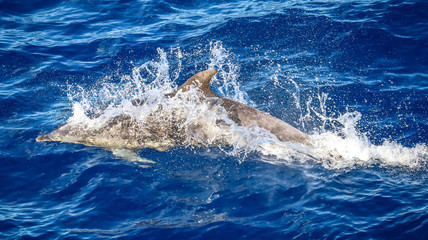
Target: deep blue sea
x=351 y=74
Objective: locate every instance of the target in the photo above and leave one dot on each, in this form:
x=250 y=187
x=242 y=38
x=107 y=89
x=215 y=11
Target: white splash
x=346 y=148
x=206 y=123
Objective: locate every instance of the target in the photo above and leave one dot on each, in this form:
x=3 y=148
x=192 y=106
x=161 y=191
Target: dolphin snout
x=43 y=138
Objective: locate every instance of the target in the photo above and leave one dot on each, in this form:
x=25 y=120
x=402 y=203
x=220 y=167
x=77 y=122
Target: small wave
x=346 y=147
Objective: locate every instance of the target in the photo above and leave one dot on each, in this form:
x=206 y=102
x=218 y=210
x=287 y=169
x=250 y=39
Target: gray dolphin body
x=123 y=132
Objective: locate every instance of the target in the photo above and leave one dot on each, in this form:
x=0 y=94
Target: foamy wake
x=203 y=122
x=346 y=148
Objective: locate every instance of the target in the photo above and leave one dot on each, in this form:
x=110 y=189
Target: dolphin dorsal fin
x=201 y=80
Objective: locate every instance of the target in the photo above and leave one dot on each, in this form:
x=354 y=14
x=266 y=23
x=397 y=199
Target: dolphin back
x=246 y=115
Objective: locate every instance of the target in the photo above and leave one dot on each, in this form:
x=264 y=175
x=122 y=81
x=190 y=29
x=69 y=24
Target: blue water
x=351 y=74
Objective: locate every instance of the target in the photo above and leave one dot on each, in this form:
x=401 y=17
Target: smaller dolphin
x=122 y=133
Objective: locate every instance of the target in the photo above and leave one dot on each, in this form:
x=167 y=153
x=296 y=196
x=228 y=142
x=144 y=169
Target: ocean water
x=353 y=75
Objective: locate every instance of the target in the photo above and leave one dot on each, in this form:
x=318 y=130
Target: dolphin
x=121 y=133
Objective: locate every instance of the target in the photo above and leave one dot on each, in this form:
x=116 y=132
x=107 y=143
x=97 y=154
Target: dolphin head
x=45 y=138
x=63 y=133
